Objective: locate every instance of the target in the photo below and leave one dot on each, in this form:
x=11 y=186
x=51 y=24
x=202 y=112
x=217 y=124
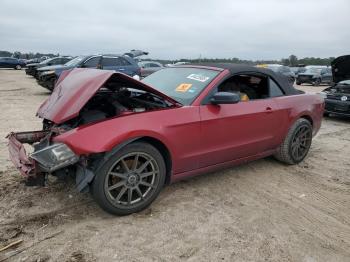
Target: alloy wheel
x=301 y=142
x=131 y=180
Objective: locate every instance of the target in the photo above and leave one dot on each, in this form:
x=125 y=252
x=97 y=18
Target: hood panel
x=74 y=89
x=341 y=68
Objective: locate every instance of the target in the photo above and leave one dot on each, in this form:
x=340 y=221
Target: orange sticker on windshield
x=183 y=87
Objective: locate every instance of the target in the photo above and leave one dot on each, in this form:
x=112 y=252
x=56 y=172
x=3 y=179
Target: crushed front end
x=46 y=158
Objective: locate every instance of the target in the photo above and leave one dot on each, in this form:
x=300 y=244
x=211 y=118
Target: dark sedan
x=32 y=69
x=10 y=62
x=315 y=76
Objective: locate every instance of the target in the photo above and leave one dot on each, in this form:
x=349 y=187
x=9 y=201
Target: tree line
x=292 y=60
x=21 y=55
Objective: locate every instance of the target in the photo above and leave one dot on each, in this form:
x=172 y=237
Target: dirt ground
x=262 y=211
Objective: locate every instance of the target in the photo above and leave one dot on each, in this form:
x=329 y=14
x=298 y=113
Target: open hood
x=341 y=68
x=136 y=53
x=75 y=88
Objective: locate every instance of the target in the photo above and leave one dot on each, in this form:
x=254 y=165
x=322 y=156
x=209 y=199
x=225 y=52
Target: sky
x=174 y=29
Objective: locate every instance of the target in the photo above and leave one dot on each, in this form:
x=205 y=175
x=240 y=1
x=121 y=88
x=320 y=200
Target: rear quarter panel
x=309 y=106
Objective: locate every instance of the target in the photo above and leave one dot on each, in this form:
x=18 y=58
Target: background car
x=121 y=63
x=337 y=97
x=315 y=76
x=281 y=69
x=31 y=69
x=297 y=70
x=149 y=67
x=10 y=62
x=125 y=139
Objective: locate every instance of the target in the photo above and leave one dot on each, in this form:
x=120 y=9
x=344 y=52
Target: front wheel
x=296 y=144
x=130 y=179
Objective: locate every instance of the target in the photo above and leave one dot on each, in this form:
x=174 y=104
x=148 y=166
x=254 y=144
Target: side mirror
x=225 y=98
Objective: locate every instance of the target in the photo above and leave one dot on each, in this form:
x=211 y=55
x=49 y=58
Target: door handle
x=268 y=110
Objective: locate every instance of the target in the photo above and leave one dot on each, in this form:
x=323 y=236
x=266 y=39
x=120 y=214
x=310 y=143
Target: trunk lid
x=74 y=89
x=341 y=68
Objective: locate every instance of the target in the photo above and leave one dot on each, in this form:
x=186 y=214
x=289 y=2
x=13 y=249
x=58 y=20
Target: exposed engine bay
x=114 y=99
x=339 y=89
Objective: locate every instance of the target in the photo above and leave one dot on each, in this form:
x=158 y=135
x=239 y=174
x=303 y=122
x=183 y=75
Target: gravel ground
x=261 y=211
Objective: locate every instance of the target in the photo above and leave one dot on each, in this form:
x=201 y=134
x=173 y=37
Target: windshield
x=181 y=84
x=75 y=61
x=46 y=61
x=313 y=71
x=274 y=68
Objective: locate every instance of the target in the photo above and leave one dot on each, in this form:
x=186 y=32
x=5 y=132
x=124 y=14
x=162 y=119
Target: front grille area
x=337 y=107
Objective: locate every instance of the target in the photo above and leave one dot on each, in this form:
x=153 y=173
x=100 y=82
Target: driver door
x=234 y=131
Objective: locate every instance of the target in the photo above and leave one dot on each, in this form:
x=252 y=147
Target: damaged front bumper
x=46 y=157
x=26 y=165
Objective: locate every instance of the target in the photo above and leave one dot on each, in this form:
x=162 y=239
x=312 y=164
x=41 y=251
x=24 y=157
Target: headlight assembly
x=48 y=72
x=323 y=94
x=55 y=157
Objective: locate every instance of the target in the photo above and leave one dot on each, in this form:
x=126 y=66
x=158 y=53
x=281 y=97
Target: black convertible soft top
x=234 y=69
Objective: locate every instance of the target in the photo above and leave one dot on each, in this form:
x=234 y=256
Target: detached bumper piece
x=18 y=155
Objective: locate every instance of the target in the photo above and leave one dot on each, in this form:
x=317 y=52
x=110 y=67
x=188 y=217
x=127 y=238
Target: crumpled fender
x=105 y=135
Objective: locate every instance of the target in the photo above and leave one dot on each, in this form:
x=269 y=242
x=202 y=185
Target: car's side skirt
x=216 y=167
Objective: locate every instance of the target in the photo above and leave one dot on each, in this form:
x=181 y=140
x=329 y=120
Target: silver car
x=149 y=67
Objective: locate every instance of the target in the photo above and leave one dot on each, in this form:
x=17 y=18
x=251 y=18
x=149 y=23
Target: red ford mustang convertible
x=124 y=139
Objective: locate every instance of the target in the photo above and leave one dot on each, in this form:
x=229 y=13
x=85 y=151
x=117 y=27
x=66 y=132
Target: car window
x=250 y=87
x=92 y=62
x=110 y=61
x=154 y=65
x=57 y=61
x=274 y=89
x=123 y=62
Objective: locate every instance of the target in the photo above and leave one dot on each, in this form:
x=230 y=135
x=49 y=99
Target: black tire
x=286 y=152
x=118 y=169
x=317 y=82
x=18 y=67
x=325 y=114
x=298 y=83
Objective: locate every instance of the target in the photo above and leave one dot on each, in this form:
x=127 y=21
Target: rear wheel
x=18 y=67
x=297 y=143
x=298 y=83
x=129 y=180
x=317 y=82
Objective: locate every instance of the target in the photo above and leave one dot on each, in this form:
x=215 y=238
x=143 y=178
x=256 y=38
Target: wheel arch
x=163 y=150
x=158 y=144
x=308 y=118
